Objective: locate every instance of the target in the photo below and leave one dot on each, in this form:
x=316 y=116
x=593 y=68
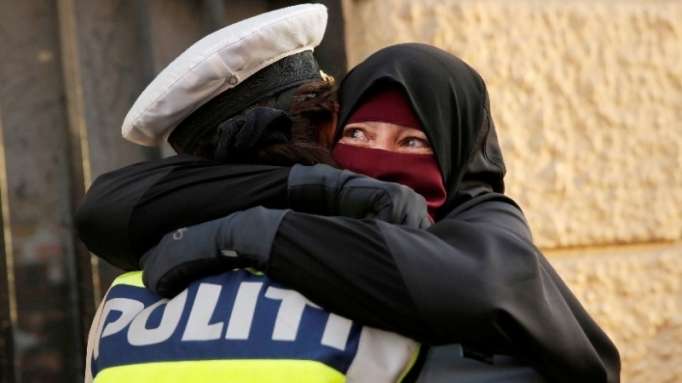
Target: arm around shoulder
x=474 y=277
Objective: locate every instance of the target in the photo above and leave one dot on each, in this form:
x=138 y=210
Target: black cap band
x=276 y=78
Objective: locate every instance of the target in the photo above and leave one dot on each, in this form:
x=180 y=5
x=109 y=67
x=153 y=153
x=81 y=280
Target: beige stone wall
x=635 y=294
x=587 y=98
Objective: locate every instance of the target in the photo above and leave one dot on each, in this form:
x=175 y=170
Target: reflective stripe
x=411 y=363
x=132 y=278
x=234 y=371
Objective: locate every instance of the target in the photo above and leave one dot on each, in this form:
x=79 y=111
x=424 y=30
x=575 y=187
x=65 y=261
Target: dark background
x=69 y=72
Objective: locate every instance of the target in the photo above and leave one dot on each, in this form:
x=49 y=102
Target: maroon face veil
x=418 y=171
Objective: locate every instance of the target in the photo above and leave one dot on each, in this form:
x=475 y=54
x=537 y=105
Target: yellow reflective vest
x=237 y=326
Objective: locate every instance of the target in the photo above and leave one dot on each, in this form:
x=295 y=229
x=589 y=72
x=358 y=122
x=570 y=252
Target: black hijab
x=451 y=102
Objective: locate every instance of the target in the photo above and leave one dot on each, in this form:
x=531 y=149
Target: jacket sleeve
x=473 y=278
x=127 y=211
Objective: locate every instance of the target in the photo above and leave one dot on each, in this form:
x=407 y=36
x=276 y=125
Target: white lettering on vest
x=128 y=309
x=198 y=327
x=336 y=332
x=289 y=314
x=244 y=307
x=140 y=335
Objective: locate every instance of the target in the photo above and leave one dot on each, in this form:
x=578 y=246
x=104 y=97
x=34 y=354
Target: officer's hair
x=312 y=106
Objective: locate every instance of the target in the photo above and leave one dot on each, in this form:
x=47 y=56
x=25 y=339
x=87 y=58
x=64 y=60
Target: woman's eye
x=414 y=142
x=356 y=134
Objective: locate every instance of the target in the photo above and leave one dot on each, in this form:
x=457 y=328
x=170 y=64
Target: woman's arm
x=473 y=278
x=127 y=211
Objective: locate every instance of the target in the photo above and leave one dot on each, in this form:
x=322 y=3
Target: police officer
x=229 y=92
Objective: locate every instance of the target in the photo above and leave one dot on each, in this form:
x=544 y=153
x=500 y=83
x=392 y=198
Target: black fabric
x=449 y=363
x=451 y=102
x=473 y=278
x=127 y=211
x=258 y=127
x=185 y=253
x=104 y=215
x=281 y=77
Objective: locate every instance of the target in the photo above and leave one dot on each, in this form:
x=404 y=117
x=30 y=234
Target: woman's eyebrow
x=413 y=132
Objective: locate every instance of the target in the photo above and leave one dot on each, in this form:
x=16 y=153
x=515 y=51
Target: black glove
x=242 y=239
x=324 y=190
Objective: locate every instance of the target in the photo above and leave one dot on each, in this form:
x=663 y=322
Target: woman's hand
x=239 y=240
x=324 y=190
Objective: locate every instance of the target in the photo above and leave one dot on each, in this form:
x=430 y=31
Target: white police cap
x=219 y=62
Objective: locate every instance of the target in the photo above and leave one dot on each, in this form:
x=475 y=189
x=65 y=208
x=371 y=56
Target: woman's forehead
x=385 y=102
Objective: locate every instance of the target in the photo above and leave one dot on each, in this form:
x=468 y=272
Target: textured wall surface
x=587 y=98
x=635 y=294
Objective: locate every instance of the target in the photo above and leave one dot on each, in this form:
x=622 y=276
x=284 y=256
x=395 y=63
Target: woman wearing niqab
x=473 y=278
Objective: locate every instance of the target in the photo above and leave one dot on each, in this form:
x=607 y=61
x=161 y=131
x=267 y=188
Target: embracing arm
x=472 y=278
x=127 y=211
